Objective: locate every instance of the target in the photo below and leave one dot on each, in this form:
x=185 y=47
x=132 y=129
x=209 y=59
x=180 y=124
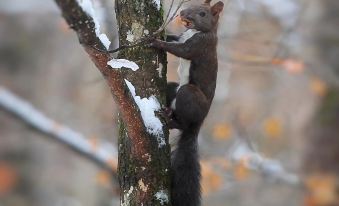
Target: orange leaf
x=292 y=66
x=241 y=172
x=322 y=189
x=318 y=87
x=8 y=178
x=211 y=180
x=272 y=127
x=222 y=131
x=103 y=178
x=309 y=201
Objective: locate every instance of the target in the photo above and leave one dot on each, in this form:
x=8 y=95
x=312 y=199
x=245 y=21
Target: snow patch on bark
x=88 y=7
x=119 y=63
x=162 y=196
x=157 y=3
x=148 y=107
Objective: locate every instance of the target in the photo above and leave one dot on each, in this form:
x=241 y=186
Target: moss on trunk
x=142 y=182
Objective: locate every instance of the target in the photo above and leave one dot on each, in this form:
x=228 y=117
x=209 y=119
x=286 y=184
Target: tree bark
x=144 y=157
x=144 y=174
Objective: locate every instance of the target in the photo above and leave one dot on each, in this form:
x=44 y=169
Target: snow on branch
x=242 y=152
x=78 y=17
x=104 y=154
x=88 y=7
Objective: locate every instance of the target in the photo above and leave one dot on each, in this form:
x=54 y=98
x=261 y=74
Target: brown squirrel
x=189 y=101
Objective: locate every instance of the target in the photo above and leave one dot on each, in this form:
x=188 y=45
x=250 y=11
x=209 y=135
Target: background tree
x=322 y=152
x=251 y=143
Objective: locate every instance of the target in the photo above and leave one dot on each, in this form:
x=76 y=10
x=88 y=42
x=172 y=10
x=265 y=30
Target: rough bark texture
x=144 y=174
x=143 y=164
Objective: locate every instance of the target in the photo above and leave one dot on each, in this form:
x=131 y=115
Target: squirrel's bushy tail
x=186 y=170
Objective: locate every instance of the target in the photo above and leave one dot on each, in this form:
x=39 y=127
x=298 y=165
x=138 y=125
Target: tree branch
x=243 y=153
x=84 y=26
x=146 y=39
x=103 y=154
x=143 y=162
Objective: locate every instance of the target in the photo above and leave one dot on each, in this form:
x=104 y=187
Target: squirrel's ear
x=208 y=1
x=217 y=8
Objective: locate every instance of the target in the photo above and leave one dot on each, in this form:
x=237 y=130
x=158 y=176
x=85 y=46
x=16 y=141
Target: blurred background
x=270 y=139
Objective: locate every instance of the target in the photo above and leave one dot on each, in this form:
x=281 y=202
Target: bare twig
x=169 y=11
x=104 y=154
x=243 y=152
x=154 y=34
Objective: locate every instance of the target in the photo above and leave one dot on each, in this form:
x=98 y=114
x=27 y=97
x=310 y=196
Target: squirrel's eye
x=202 y=14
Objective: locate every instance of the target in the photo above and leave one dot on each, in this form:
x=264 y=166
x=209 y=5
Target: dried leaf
x=292 y=66
x=222 y=131
x=272 y=127
x=103 y=178
x=8 y=178
x=322 y=190
x=318 y=87
x=241 y=172
x=211 y=180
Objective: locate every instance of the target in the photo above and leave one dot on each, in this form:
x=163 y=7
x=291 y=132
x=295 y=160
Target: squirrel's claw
x=168 y=114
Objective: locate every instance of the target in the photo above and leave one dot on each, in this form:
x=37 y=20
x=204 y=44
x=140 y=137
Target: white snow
x=104 y=153
x=119 y=63
x=255 y=161
x=130 y=36
x=148 y=107
x=126 y=200
x=88 y=7
x=146 y=32
x=162 y=197
x=105 y=41
x=159 y=69
x=157 y=3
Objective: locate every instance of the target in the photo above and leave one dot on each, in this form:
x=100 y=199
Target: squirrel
x=189 y=101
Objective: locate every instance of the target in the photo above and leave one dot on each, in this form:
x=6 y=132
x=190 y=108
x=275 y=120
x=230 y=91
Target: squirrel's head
x=203 y=17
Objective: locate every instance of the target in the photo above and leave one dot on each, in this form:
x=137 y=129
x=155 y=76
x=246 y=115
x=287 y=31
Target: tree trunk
x=144 y=152
x=143 y=175
x=321 y=164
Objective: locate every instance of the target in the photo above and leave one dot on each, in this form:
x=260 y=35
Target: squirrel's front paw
x=156 y=43
x=168 y=114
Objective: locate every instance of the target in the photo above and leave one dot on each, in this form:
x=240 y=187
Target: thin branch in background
x=243 y=152
x=169 y=12
x=103 y=154
x=281 y=50
x=153 y=35
x=167 y=21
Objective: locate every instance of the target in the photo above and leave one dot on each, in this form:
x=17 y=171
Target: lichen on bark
x=137 y=19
